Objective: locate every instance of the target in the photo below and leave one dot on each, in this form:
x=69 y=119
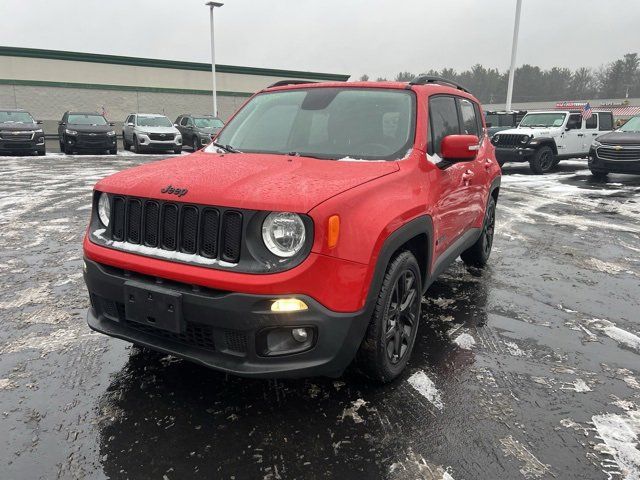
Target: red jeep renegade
x=304 y=237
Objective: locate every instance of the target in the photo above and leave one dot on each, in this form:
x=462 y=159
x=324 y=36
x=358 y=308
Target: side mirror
x=459 y=148
x=130 y=124
x=38 y=122
x=176 y=125
x=112 y=124
x=61 y=123
x=489 y=125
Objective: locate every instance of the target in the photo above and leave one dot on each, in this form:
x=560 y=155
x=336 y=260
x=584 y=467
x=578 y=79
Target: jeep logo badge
x=170 y=189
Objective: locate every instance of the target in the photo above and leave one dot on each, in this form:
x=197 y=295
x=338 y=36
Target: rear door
x=454 y=182
x=590 y=131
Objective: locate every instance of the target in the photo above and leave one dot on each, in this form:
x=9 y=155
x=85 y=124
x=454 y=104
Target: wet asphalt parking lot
x=529 y=369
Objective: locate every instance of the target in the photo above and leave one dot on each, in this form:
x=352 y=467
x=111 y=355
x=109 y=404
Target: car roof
x=85 y=113
x=430 y=88
x=12 y=110
x=149 y=114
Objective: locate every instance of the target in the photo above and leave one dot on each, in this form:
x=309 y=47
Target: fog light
x=288 y=305
x=300 y=335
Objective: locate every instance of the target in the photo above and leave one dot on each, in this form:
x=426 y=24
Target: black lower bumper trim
x=221 y=328
x=614 y=166
x=505 y=155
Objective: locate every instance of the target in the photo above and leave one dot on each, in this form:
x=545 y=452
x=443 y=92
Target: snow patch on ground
x=620 y=439
x=415 y=467
x=425 y=387
x=530 y=466
x=352 y=411
x=47 y=343
x=514 y=349
x=465 y=341
x=578 y=385
x=621 y=336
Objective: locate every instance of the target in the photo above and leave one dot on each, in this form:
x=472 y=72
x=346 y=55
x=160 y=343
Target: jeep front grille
x=211 y=232
x=507 y=140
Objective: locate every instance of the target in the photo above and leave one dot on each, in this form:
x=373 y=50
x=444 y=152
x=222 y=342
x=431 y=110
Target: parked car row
x=546 y=137
x=90 y=131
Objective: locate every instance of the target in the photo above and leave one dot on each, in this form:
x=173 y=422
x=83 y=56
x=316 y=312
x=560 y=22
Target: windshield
x=549 y=119
x=633 y=125
x=76 y=119
x=15 y=117
x=154 y=122
x=503 y=120
x=208 y=122
x=331 y=123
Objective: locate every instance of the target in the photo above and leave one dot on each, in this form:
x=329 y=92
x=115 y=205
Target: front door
x=573 y=137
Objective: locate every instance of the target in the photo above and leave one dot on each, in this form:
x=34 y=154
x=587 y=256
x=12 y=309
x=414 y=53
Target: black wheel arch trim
x=545 y=142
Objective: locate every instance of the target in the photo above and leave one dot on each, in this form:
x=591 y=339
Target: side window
x=575 y=121
x=184 y=121
x=443 y=121
x=479 y=120
x=469 y=120
x=592 y=121
x=606 y=121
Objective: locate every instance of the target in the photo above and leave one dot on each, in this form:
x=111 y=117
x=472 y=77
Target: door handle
x=581 y=134
x=487 y=163
x=594 y=134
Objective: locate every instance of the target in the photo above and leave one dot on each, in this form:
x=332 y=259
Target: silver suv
x=150 y=131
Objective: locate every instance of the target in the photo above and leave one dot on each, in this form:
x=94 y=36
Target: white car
x=543 y=138
x=150 y=131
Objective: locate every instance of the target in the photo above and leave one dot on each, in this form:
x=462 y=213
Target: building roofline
x=159 y=63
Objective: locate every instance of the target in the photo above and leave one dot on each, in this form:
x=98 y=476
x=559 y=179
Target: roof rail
x=282 y=83
x=424 y=79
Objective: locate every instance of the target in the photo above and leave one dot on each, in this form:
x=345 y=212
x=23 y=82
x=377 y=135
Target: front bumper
x=18 y=143
x=91 y=141
x=222 y=329
x=148 y=142
x=513 y=154
x=613 y=166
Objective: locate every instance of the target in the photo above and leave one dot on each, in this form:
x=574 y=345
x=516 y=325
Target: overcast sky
x=339 y=36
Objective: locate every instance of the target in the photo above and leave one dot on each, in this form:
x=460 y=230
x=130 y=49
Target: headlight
x=39 y=130
x=104 y=209
x=283 y=233
x=596 y=144
x=111 y=133
x=70 y=132
x=495 y=138
x=525 y=139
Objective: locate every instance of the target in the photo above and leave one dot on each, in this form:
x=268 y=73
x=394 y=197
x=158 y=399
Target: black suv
x=617 y=151
x=19 y=132
x=198 y=130
x=84 y=131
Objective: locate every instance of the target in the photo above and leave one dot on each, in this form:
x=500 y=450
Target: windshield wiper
x=227 y=148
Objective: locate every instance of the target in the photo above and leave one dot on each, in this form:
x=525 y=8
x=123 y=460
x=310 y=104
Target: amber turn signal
x=333 y=231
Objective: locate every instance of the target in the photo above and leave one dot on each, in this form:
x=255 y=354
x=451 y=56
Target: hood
x=620 y=138
x=209 y=130
x=246 y=180
x=173 y=130
x=533 y=131
x=19 y=127
x=89 y=128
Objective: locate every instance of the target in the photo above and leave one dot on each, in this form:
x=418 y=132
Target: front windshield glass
x=633 y=125
x=76 y=119
x=208 y=122
x=154 y=122
x=330 y=123
x=15 y=117
x=500 y=120
x=547 y=119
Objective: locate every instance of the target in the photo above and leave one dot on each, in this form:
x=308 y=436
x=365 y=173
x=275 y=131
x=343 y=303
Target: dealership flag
x=586 y=111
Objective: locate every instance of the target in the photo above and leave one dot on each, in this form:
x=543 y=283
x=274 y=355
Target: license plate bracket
x=153 y=306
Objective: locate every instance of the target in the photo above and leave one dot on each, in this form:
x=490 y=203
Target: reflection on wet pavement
x=529 y=369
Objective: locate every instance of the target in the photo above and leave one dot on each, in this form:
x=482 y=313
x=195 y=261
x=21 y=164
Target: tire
x=66 y=149
x=601 y=174
x=477 y=254
x=113 y=151
x=136 y=145
x=41 y=152
x=542 y=161
x=177 y=150
x=195 y=144
x=390 y=337
x=125 y=144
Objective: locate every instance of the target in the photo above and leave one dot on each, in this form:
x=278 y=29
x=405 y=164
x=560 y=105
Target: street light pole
x=514 y=50
x=211 y=6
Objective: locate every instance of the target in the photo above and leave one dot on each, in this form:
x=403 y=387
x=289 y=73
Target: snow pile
x=620 y=437
x=616 y=333
x=465 y=341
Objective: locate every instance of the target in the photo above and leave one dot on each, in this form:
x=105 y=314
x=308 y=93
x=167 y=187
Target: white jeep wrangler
x=543 y=138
